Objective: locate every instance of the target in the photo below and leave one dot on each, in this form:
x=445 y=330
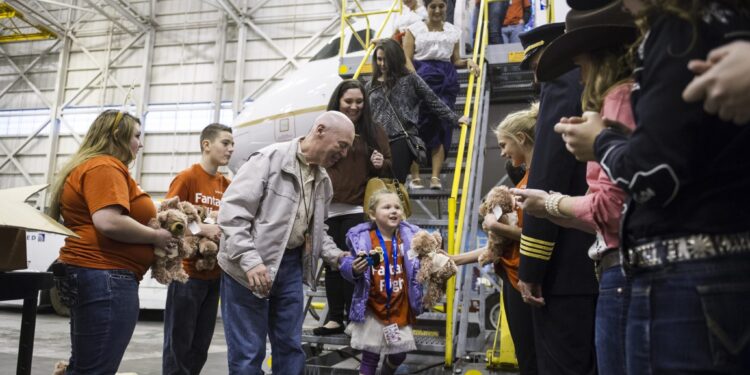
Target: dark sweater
x=685 y=170
x=405 y=97
x=349 y=175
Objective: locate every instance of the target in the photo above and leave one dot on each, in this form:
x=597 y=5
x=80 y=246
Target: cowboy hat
x=534 y=40
x=586 y=31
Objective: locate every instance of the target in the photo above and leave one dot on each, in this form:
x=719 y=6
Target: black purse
x=416 y=145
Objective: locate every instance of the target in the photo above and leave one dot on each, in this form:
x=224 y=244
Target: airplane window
x=355 y=45
x=329 y=50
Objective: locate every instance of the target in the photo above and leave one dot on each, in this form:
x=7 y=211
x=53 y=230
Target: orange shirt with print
x=200 y=188
x=400 y=313
x=101 y=182
x=509 y=262
x=514 y=15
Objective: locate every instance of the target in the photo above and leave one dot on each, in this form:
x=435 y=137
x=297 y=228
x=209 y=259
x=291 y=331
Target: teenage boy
x=190 y=313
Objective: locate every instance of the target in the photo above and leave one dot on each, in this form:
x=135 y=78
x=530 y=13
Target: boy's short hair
x=210 y=132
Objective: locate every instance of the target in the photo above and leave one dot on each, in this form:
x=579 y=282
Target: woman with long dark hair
x=396 y=94
x=370 y=156
x=432 y=47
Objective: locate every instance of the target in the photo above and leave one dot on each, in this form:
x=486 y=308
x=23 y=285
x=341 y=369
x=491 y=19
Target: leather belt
x=681 y=249
x=611 y=258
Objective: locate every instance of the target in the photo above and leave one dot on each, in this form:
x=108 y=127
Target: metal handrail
x=367 y=45
x=455 y=231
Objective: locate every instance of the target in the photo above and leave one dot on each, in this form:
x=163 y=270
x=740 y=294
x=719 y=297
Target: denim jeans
x=189 y=321
x=511 y=33
x=691 y=317
x=104 y=309
x=494 y=23
x=249 y=319
x=611 y=318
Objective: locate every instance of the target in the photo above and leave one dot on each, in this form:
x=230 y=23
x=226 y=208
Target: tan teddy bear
x=167 y=264
x=207 y=248
x=435 y=268
x=501 y=202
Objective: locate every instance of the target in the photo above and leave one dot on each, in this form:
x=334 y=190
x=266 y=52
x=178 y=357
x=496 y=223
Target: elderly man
x=272 y=219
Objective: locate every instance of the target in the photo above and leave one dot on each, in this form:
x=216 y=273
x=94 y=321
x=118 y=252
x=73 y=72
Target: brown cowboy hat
x=585 y=31
x=587 y=4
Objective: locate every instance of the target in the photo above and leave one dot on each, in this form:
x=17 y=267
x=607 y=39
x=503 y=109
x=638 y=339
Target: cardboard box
x=16 y=216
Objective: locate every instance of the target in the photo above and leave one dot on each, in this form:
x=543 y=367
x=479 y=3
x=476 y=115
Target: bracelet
x=552 y=204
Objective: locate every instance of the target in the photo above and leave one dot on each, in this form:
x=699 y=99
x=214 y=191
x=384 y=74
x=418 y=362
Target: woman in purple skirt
x=432 y=48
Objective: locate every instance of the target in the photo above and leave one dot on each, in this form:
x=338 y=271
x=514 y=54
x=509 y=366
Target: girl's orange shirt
x=100 y=182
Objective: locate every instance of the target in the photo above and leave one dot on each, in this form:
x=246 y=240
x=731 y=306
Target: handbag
x=391 y=184
x=416 y=145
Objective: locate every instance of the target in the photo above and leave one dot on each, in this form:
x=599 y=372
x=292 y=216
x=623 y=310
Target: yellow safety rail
x=16 y=34
x=455 y=231
x=396 y=6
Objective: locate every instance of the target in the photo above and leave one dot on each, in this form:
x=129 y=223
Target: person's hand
x=579 y=134
x=473 y=67
x=259 y=280
x=464 y=120
x=489 y=219
x=532 y=201
x=531 y=293
x=723 y=82
x=163 y=239
x=211 y=231
x=359 y=264
x=376 y=159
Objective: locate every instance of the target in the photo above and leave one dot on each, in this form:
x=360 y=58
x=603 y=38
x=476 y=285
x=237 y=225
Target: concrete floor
x=143 y=355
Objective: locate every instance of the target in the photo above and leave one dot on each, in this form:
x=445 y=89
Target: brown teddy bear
x=167 y=264
x=206 y=248
x=499 y=201
x=435 y=267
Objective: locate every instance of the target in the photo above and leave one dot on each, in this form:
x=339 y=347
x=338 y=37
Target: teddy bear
x=167 y=265
x=499 y=201
x=435 y=268
x=206 y=248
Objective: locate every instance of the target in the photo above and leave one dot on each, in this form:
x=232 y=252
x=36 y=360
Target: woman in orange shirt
x=515 y=136
x=99 y=272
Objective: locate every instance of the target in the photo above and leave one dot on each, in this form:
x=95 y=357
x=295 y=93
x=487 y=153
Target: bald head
x=330 y=139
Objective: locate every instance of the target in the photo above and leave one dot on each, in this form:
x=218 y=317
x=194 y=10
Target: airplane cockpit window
x=355 y=45
x=329 y=50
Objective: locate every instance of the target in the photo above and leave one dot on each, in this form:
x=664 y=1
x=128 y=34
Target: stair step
x=432 y=344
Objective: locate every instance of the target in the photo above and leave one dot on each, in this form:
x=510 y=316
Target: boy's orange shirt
x=510 y=261
x=514 y=15
x=196 y=186
x=101 y=182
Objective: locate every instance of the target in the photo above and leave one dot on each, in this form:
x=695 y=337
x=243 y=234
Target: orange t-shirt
x=509 y=261
x=514 y=15
x=400 y=313
x=97 y=183
x=198 y=187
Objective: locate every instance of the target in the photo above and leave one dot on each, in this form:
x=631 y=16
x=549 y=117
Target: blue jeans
x=611 y=317
x=249 y=319
x=189 y=321
x=494 y=23
x=104 y=309
x=691 y=317
x=511 y=33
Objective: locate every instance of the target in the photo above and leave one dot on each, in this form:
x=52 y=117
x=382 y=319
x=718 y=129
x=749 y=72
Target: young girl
x=387 y=297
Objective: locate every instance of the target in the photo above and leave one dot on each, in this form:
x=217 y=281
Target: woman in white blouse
x=412 y=12
x=432 y=50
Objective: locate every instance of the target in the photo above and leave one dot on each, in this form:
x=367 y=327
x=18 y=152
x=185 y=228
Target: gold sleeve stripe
x=536 y=246
x=532 y=255
x=535 y=251
x=535 y=240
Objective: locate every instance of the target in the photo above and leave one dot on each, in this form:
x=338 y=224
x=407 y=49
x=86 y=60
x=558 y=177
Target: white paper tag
x=411 y=254
x=194 y=228
x=392 y=334
x=209 y=220
x=498 y=212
